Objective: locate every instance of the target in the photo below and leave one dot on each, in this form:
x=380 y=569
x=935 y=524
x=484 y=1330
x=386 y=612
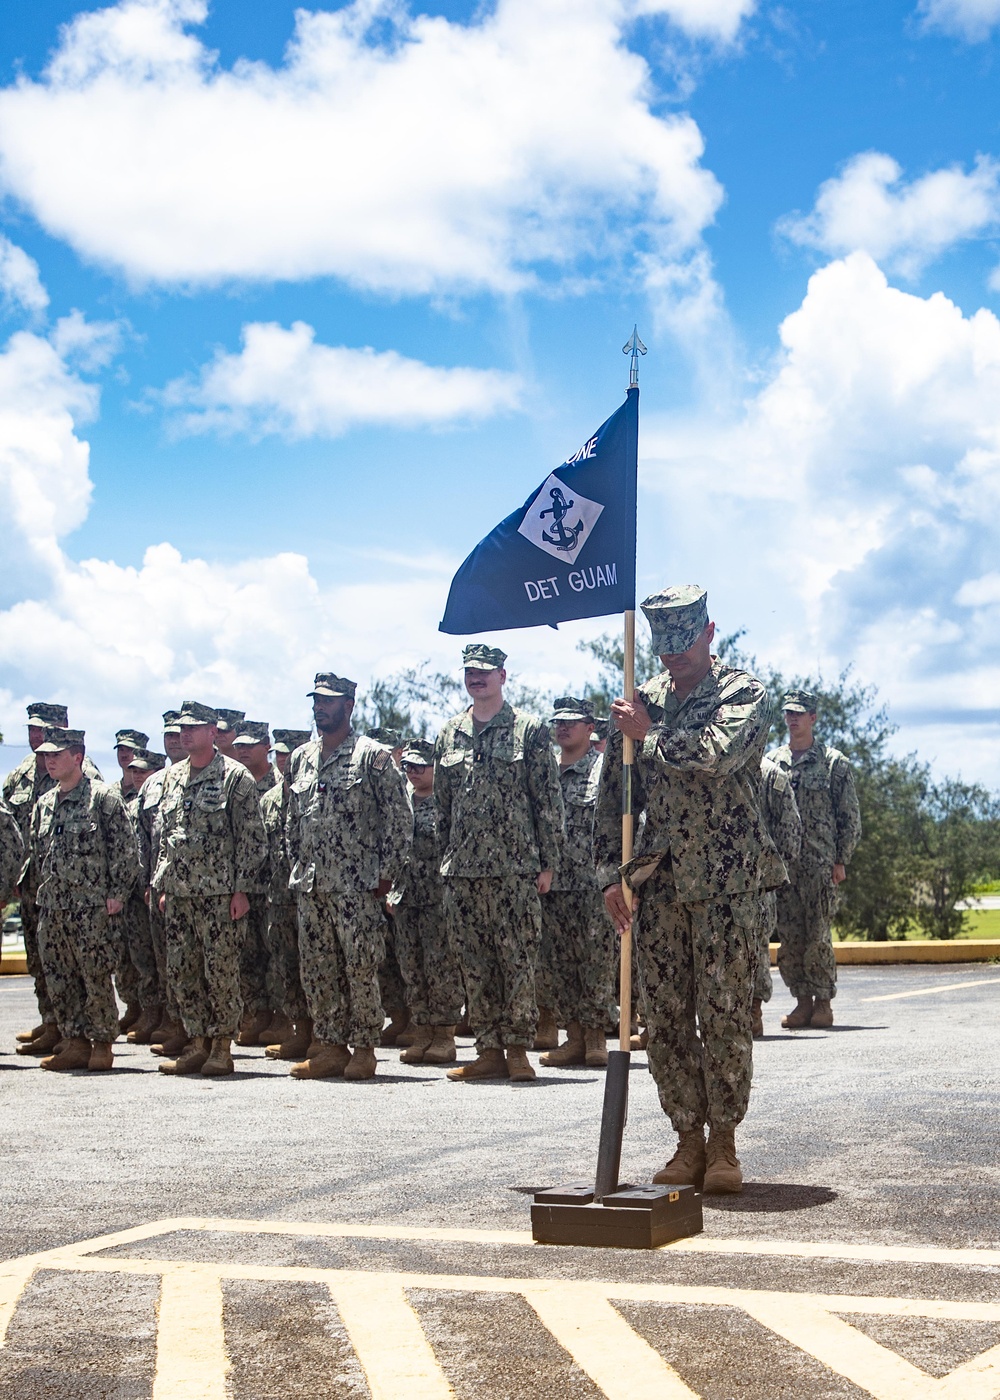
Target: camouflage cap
x=194 y=712
x=599 y=730
x=477 y=656
x=42 y=715
x=418 y=752
x=569 y=708
x=288 y=740
x=148 y=762
x=677 y=617
x=336 y=687
x=253 y=731
x=170 y=718
x=382 y=734
x=131 y=738
x=229 y=719
x=801 y=702
x=58 y=740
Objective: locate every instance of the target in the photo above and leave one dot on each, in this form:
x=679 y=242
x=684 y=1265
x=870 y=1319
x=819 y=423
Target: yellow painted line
x=713 y=1295
x=933 y=991
x=699 y=1244
x=389 y=1341
x=12 y=1284
x=844 y=1350
x=191 y=1361
x=620 y=1363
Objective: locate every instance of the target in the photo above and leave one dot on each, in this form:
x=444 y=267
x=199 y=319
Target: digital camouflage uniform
x=703 y=856
x=212 y=846
x=501 y=823
x=784 y=825
x=11 y=852
x=284 y=984
x=575 y=975
x=136 y=976
x=431 y=978
x=831 y=828
x=22 y=788
x=148 y=829
x=83 y=847
x=255 y=956
x=348 y=828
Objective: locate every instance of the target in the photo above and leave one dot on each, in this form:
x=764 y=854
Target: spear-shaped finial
x=634 y=347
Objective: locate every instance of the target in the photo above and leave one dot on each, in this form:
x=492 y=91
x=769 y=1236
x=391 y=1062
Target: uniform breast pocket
x=212 y=817
x=456 y=765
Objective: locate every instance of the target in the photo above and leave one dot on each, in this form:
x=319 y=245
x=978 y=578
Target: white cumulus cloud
x=717 y=20
x=20 y=282
x=904 y=226
x=855 y=503
x=283 y=382
x=972 y=20
x=398 y=152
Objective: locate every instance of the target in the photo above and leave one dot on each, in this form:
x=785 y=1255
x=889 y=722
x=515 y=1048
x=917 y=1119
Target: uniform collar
x=504 y=716
x=215 y=768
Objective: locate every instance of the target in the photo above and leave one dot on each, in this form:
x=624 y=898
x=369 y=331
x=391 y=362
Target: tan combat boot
x=547 y=1034
x=26 y=1037
x=687 y=1166
x=142 y=1032
x=640 y=1041
x=418 y=1047
x=597 y=1048
x=132 y=1013
x=822 y=1014
x=75 y=1055
x=573 y=1050
x=488 y=1064
x=43 y=1044
x=519 y=1068
x=362 y=1063
x=757 y=1019
x=295 y=1046
x=252 y=1024
x=220 y=1061
x=441 y=1050
x=722 y=1166
x=324 y=1062
x=398 y=1021
x=278 y=1029
x=101 y=1056
x=191 y=1058
x=174 y=1044
x=800 y=1017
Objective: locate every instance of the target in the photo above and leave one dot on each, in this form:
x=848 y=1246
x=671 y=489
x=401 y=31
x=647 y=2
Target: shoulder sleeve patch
x=381 y=760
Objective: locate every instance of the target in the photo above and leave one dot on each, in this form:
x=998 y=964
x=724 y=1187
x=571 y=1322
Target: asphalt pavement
x=277 y=1238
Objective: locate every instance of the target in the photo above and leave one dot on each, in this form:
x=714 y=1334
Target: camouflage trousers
x=392 y=988
x=766 y=934
x=696 y=966
x=284 y=984
x=203 y=963
x=255 y=957
x=495 y=927
x=126 y=976
x=79 y=950
x=139 y=950
x=341 y=942
x=29 y=928
x=805 y=958
x=158 y=938
x=576 y=958
x=428 y=965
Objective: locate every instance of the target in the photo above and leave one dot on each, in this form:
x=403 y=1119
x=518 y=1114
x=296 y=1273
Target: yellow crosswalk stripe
x=389 y=1341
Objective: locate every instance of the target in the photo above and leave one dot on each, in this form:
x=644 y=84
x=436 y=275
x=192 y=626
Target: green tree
x=958 y=847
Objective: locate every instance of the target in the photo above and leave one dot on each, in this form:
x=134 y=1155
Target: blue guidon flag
x=568 y=552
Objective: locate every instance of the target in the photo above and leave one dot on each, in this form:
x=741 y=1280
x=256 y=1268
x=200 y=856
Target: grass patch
x=979 y=923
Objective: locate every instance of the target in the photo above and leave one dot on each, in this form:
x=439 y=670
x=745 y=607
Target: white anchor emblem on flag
x=559 y=521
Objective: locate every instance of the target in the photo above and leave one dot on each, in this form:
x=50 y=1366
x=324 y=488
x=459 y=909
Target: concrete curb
x=916 y=950
x=13 y=964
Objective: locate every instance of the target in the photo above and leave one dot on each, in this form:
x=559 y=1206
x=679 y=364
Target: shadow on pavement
x=771 y=1198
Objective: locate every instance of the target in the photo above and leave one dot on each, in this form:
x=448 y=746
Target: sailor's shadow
x=772 y=1198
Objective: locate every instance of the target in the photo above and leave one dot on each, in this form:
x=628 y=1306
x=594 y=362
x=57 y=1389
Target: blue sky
x=799 y=204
